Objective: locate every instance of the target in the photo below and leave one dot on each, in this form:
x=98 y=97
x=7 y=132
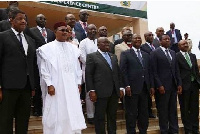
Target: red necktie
x=43 y=33
x=85 y=26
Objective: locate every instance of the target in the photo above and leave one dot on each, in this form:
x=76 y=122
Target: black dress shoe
x=152 y=116
x=90 y=120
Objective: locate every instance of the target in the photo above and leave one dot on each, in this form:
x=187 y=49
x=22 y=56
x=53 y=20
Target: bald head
x=125 y=29
x=41 y=20
x=102 y=31
x=172 y=25
x=70 y=20
x=183 y=45
x=103 y=44
x=159 y=31
x=149 y=37
x=83 y=15
x=91 y=31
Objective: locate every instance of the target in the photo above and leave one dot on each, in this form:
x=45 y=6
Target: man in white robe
x=60 y=82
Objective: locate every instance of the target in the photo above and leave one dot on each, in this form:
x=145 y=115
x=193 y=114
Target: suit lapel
x=103 y=59
x=37 y=31
x=135 y=56
x=14 y=37
x=183 y=60
x=163 y=54
x=80 y=27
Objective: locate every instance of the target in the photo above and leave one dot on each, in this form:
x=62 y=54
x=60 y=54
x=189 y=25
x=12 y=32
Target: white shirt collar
x=102 y=53
x=164 y=48
x=16 y=33
x=40 y=28
x=135 y=49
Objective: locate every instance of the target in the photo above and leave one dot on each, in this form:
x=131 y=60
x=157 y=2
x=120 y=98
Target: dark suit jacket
x=100 y=77
x=133 y=72
x=119 y=41
x=4 y=25
x=79 y=32
x=145 y=47
x=3 y=14
x=164 y=73
x=39 y=39
x=178 y=35
x=14 y=64
x=156 y=42
x=186 y=71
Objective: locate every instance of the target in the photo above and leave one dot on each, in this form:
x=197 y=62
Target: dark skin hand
x=128 y=91
x=161 y=90
x=93 y=96
x=51 y=90
x=79 y=88
x=1 y=95
x=179 y=90
x=121 y=94
x=152 y=91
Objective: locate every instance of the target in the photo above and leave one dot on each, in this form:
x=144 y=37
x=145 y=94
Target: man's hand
x=152 y=91
x=121 y=93
x=1 y=95
x=51 y=90
x=161 y=90
x=79 y=88
x=33 y=93
x=93 y=96
x=128 y=91
x=179 y=90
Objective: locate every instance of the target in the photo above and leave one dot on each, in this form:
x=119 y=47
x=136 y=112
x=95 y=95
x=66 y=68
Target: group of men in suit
x=142 y=70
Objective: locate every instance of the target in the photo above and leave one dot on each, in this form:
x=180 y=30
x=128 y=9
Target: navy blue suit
x=137 y=76
x=79 y=32
x=166 y=75
x=174 y=46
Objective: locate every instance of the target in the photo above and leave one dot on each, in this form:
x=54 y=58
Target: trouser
x=15 y=103
x=189 y=105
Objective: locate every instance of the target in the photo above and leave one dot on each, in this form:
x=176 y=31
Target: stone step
x=35 y=125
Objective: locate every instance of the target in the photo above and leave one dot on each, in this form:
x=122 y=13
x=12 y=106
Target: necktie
x=189 y=63
x=107 y=57
x=168 y=57
x=152 y=47
x=85 y=26
x=44 y=33
x=139 y=57
x=20 y=38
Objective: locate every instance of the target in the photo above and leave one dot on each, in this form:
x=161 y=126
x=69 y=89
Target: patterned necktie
x=44 y=33
x=139 y=57
x=168 y=57
x=189 y=63
x=188 y=59
x=85 y=26
x=107 y=57
x=152 y=47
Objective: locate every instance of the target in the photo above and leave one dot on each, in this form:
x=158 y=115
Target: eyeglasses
x=63 y=30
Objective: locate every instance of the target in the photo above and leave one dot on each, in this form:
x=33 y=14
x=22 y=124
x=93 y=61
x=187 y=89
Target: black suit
x=16 y=80
x=166 y=74
x=146 y=48
x=3 y=14
x=4 y=25
x=189 y=99
x=137 y=76
x=39 y=39
x=106 y=82
x=156 y=42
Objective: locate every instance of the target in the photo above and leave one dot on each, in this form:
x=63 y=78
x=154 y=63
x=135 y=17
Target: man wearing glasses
x=61 y=75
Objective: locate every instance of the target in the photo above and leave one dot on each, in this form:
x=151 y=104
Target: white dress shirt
x=163 y=49
x=24 y=42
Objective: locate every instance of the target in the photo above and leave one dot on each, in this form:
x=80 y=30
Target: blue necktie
x=139 y=57
x=20 y=38
x=107 y=57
